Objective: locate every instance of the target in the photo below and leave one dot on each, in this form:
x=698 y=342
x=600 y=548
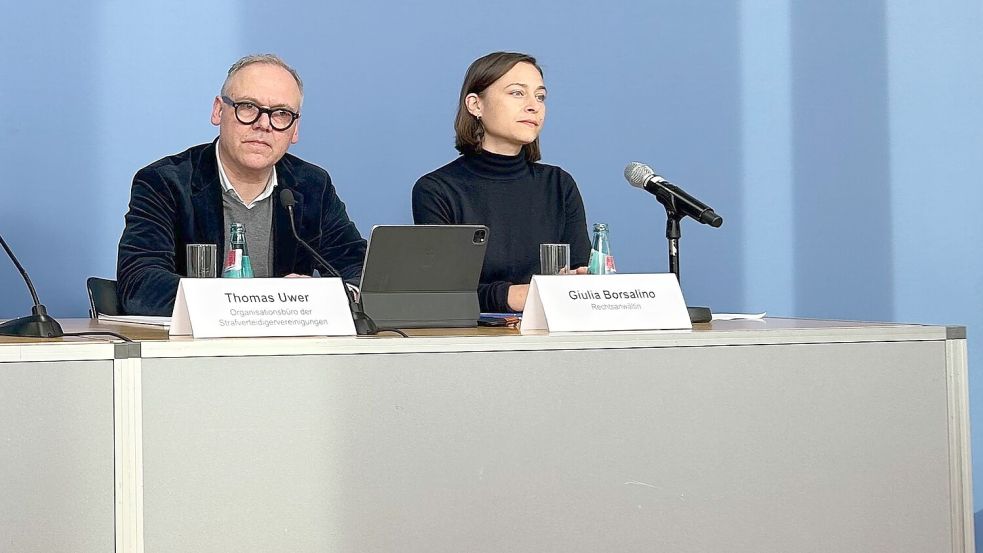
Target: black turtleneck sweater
x=523 y=204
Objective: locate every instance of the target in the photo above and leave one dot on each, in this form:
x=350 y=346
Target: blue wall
x=839 y=139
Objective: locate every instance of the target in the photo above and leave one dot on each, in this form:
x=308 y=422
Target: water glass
x=554 y=259
x=202 y=261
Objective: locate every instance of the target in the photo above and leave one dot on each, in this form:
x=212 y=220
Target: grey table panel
x=56 y=457
x=818 y=447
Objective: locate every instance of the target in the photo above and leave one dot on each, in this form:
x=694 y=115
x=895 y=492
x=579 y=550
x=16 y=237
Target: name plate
x=246 y=307
x=569 y=303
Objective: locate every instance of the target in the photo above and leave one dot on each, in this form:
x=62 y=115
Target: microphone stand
x=364 y=325
x=673 y=233
x=36 y=325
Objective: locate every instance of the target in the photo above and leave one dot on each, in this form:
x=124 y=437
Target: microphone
x=674 y=198
x=36 y=325
x=288 y=201
x=364 y=325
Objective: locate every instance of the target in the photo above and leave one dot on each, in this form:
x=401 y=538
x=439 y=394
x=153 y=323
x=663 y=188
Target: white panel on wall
x=766 y=107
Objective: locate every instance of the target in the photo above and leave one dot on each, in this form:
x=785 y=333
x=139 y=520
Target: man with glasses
x=194 y=196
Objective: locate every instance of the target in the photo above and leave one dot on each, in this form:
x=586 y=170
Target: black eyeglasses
x=248 y=113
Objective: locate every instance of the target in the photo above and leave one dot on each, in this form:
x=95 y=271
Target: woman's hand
x=517 y=297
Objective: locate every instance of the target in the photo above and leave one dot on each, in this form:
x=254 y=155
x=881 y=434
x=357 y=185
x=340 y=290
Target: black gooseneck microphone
x=642 y=176
x=364 y=325
x=36 y=325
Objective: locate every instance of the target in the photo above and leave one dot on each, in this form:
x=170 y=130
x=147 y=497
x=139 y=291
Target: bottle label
x=233 y=264
x=600 y=263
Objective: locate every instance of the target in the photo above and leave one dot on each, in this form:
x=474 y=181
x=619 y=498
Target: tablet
x=419 y=276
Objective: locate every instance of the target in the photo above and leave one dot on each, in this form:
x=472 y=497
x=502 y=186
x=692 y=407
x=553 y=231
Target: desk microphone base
x=699 y=314
x=38 y=325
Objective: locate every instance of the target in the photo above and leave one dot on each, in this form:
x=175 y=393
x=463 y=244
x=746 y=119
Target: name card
x=246 y=307
x=566 y=303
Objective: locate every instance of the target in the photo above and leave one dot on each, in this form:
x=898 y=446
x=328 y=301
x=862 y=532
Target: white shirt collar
x=227 y=185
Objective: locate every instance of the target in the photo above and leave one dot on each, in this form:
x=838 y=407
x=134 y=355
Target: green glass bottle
x=237 y=264
x=601 y=260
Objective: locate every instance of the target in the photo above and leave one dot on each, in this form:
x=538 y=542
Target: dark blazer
x=178 y=201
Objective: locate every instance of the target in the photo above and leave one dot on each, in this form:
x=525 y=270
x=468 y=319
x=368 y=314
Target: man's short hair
x=271 y=59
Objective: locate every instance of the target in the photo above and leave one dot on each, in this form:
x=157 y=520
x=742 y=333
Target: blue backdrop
x=839 y=139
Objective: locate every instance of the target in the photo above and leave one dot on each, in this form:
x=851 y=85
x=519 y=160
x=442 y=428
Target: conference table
x=751 y=435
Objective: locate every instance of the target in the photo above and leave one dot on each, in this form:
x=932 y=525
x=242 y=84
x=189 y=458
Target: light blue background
x=839 y=139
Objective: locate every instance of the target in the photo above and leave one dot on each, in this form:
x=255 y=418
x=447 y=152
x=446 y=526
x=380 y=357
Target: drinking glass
x=202 y=261
x=554 y=259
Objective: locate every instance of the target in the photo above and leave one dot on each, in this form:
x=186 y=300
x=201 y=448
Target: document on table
x=738 y=316
x=146 y=320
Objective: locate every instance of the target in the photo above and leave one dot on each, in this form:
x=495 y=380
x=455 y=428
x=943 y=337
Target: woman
x=497 y=181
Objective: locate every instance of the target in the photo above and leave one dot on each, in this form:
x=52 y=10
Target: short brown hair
x=481 y=74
